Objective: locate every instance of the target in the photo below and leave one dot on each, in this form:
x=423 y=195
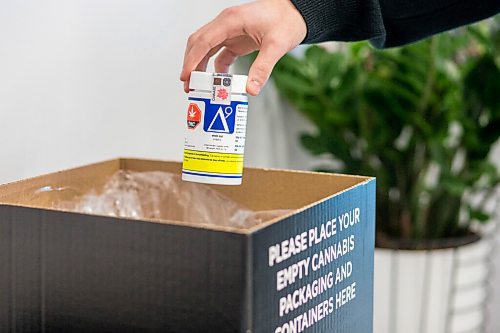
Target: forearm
x=341 y=20
x=388 y=23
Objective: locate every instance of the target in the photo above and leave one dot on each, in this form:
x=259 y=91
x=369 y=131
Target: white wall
x=87 y=80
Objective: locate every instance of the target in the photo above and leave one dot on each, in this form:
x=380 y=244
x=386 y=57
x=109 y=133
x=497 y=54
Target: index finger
x=208 y=37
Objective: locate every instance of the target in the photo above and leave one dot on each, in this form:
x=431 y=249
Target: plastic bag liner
x=164 y=196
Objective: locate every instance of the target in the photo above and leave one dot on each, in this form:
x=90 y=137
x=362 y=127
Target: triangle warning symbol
x=219 y=123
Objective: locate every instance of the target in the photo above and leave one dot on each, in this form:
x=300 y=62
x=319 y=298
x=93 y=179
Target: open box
x=308 y=271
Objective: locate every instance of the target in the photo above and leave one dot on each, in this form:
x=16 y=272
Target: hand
x=272 y=26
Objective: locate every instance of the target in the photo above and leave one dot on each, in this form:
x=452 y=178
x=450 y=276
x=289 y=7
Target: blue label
x=219 y=118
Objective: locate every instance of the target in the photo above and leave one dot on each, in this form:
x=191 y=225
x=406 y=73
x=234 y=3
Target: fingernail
x=255 y=87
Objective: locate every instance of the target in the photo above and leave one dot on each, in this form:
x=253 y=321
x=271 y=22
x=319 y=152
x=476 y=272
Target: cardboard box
x=310 y=271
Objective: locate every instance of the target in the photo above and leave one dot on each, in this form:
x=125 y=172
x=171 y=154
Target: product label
x=221 y=88
x=193 y=116
x=215 y=138
x=219 y=118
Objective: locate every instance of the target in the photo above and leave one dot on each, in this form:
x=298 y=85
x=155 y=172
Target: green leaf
x=478 y=215
x=293 y=83
x=454 y=186
x=313 y=144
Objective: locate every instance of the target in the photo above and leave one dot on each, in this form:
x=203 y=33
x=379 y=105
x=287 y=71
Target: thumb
x=263 y=65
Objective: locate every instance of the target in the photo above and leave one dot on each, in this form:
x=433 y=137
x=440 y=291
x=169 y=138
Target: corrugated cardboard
x=71 y=272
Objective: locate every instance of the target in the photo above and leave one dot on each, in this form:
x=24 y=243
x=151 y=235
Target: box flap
x=262 y=189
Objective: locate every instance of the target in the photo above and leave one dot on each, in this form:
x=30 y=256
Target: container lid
x=204 y=81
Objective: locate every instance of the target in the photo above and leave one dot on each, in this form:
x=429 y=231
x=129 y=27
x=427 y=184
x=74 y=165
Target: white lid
x=204 y=81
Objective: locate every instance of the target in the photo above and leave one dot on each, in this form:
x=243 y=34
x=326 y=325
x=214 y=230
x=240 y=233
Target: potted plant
x=423 y=119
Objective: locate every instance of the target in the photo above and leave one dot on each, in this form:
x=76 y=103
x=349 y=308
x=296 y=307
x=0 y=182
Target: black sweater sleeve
x=388 y=23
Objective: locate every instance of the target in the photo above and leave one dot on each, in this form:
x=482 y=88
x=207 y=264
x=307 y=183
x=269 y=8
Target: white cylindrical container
x=432 y=291
x=216 y=128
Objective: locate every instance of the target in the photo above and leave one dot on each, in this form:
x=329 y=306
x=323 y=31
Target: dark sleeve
x=387 y=23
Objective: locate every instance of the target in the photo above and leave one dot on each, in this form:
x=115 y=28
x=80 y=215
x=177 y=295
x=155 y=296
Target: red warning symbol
x=193 y=115
x=222 y=93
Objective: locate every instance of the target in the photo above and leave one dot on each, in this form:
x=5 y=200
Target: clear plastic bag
x=162 y=195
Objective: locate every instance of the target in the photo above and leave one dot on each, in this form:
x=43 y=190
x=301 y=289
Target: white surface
x=493 y=319
x=437 y=291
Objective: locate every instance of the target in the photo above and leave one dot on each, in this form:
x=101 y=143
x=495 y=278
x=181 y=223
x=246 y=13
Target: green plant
x=422 y=119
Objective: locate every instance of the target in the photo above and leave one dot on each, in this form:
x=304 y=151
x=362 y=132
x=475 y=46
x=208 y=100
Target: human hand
x=272 y=26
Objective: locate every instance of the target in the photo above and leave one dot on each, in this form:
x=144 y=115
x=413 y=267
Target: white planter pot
x=435 y=291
